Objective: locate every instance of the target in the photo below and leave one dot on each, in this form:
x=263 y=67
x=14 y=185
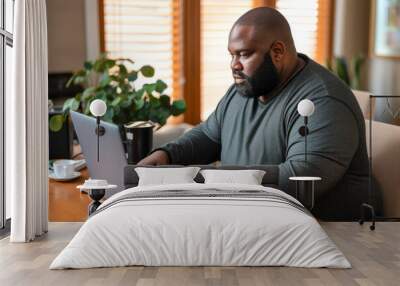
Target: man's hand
x=159 y=157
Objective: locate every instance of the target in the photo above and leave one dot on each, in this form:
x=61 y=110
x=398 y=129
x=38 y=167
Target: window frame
x=6 y=39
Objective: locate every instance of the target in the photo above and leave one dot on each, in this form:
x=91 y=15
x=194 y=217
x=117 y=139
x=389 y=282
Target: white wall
x=352 y=35
x=351 y=29
x=351 y=32
x=73 y=33
x=92 y=29
x=66 y=34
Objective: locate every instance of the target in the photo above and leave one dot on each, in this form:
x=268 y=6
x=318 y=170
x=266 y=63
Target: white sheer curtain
x=27 y=123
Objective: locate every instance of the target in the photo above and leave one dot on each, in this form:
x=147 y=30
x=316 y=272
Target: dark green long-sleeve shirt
x=245 y=131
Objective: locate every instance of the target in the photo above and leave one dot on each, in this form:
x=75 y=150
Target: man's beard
x=262 y=82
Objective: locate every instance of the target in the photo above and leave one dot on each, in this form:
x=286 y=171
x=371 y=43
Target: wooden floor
x=375 y=257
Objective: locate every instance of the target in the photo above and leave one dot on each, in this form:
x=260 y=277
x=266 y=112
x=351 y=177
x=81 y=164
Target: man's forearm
x=194 y=147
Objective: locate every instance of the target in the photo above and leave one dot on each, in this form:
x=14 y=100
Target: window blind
x=217 y=18
x=142 y=31
x=303 y=20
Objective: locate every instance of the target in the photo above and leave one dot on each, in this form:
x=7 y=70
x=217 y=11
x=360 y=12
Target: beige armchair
x=364 y=102
x=385 y=156
x=169 y=133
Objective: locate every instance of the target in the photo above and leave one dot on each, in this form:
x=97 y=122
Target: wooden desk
x=66 y=202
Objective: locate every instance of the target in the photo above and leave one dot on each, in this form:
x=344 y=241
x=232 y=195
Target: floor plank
x=375 y=257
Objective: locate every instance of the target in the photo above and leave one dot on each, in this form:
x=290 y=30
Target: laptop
x=112 y=159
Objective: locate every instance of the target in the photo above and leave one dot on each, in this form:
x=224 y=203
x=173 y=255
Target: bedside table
x=305 y=189
x=96 y=195
x=96 y=190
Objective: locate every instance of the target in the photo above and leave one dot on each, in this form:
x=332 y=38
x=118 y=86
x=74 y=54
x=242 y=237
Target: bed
x=197 y=224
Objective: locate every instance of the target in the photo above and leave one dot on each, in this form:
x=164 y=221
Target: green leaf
x=79 y=80
x=109 y=63
x=139 y=93
x=163 y=114
x=117 y=110
x=75 y=105
x=132 y=76
x=87 y=105
x=56 y=122
x=147 y=71
x=88 y=65
x=154 y=102
x=139 y=103
x=71 y=104
x=101 y=95
x=88 y=92
x=98 y=66
x=78 y=97
x=109 y=115
x=122 y=69
x=356 y=64
x=70 y=81
x=127 y=102
x=80 y=73
x=149 y=87
x=165 y=100
x=116 y=101
x=105 y=79
x=342 y=71
x=125 y=60
x=178 y=107
x=160 y=86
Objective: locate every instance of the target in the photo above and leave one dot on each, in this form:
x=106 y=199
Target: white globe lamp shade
x=98 y=107
x=306 y=107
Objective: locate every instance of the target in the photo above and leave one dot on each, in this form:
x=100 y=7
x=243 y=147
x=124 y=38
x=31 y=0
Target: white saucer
x=62 y=179
x=78 y=164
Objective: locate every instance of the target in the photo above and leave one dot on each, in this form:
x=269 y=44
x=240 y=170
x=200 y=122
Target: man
x=257 y=122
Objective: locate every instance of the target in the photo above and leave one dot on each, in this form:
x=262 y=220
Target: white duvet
x=200 y=231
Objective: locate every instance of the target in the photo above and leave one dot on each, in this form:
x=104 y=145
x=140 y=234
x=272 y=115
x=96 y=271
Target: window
x=142 y=31
x=310 y=22
x=6 y=43
x=303 y=18
x=216 y=74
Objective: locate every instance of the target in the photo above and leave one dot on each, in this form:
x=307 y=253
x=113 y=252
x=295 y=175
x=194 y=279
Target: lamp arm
x=98 y=136
x=305 y=137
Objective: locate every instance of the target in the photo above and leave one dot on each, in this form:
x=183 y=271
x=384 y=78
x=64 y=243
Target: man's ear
x=278 y=50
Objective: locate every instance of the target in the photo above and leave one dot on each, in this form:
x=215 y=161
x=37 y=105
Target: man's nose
x=236 y=65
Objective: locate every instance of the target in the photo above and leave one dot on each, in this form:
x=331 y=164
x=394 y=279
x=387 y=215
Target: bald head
x=269 y=26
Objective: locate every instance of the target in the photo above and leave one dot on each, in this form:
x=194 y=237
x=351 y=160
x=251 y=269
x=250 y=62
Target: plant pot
x=139 y=140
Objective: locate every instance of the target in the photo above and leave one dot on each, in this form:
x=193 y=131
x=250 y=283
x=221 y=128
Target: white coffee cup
x=63 y=168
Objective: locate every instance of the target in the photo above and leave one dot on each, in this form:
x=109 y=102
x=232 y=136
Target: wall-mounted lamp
x=305 y=108
x=98 y=108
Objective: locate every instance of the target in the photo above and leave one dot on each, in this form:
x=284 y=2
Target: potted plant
x=350 y=74
x=111 y=81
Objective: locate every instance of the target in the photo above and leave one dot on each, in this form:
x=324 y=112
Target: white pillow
x=249 y=177
x=164 y=176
